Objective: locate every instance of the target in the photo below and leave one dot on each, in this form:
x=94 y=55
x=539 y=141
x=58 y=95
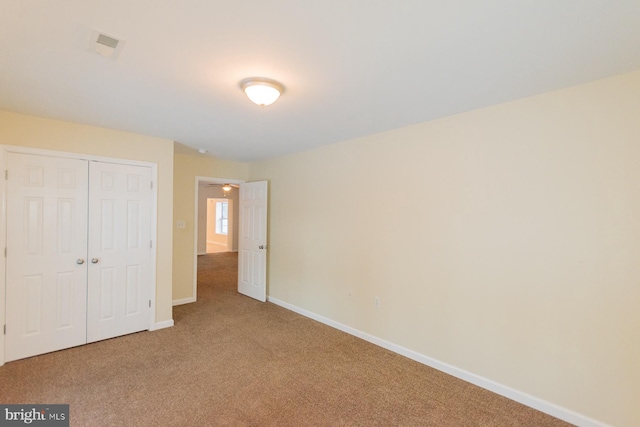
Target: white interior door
x=46 y=273
x=120 y=253
x=252 y=242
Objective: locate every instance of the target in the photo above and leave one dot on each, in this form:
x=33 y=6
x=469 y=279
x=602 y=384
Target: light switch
x=181 y=224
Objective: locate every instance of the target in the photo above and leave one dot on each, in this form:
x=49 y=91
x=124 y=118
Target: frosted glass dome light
x=262 y=91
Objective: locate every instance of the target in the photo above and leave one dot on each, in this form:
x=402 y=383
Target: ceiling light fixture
x=262 y=91
x=226 y=188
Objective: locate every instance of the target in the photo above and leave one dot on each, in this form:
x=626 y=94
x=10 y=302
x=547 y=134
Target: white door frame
x=4 y=149
x=198 y=180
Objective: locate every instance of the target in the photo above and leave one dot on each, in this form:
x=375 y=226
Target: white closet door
x=46 y=254
x=119 y=256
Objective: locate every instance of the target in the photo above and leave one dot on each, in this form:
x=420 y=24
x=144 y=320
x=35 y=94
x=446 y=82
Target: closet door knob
x=94 y=260
x=80 y=261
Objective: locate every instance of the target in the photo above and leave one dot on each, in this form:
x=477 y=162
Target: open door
x=252 y=242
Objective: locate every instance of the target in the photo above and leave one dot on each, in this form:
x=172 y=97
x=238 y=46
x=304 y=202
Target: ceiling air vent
x=105 y=45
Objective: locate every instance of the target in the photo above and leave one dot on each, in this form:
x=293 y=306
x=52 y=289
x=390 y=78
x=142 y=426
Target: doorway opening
x=216 y=224
x=220 y=225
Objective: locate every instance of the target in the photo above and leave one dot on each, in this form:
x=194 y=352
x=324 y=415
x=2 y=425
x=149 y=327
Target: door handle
x=263 y=247
x=80 y=261
x=94 y=260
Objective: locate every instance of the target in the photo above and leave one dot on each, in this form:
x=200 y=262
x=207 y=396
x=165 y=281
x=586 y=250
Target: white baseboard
x=508 y=392
x=183 y=301
x=161 y=325
x=201 y=253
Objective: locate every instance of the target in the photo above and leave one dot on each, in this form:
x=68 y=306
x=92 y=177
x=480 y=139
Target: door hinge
x=149 y=303
x=5 y=329
x=152 y=185
x=6 y=174
x=151 y=243
x=5 y=252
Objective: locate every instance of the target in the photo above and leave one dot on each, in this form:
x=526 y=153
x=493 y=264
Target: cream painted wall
x=36 y=132
x=509 y=245
x=186 y=168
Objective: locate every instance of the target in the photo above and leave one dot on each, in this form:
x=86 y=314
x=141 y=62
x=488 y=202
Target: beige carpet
x=231 y=360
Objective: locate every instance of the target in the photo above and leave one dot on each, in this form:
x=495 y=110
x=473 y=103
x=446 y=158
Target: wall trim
x=495 y=387
x=183 y=301
x=161 y=325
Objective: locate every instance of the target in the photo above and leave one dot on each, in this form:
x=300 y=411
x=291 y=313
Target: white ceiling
x=350 y=67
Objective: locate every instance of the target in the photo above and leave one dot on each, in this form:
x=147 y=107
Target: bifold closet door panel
x=120 y=253
x=46 y=275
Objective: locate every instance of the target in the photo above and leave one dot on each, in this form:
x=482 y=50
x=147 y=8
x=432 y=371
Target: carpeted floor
x=230 y=360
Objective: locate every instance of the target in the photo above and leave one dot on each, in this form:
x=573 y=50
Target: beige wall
x=508 y=243
x=186 y=168
x=29 y=131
